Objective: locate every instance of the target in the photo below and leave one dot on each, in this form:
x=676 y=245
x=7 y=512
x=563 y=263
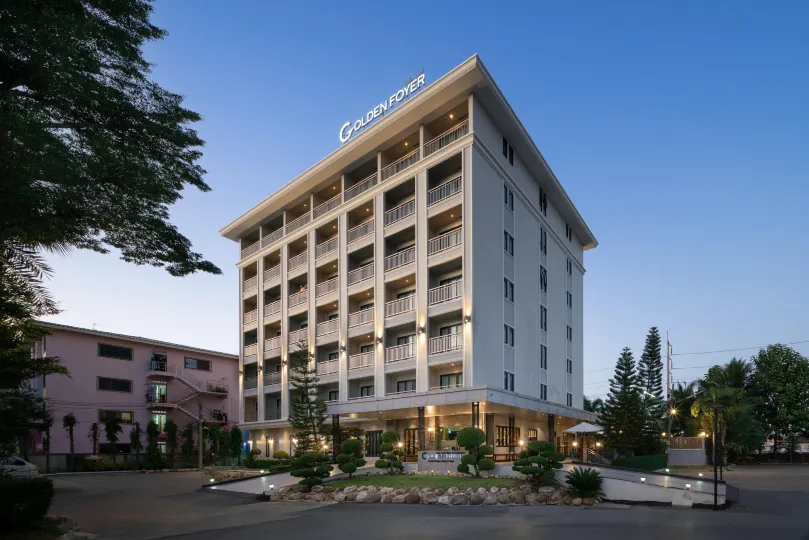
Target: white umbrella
x=584 y=428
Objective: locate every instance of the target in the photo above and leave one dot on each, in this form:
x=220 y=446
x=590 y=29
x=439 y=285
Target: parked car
x=18 y=466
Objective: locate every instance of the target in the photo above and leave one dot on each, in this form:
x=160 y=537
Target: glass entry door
x=411 y=441
x=373 y=440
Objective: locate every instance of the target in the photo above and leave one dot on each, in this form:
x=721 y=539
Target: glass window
x=505 y=147
x=449 y=280
x=569 y=300
x=543 y=279
x=366 y=348
x=508 y=289
x=334 y=395
x=543 y=241
x=124 y=417
x=569 y=366
x=508 y=243
x=507 y=436
x=508 y=335
x=114 y=385
x=508 y=381
x=159 y=418
x=114 y=351
x=532 y=435
x=406 y=386
x=569 y=333
x=451 y=380
x=569 y=399
x=543 y=391
x=334 y=356
x=194 y=363
x=450 y=330
x=405 y=340
x=366 y=306
x=406 y=294
x=334 y=316
x=543 y=202
x=511 y=155
x=367 y=391
x=543 y=357
x=543 y=318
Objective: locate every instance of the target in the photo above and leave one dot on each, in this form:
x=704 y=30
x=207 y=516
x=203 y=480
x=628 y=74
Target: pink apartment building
x=135 y=379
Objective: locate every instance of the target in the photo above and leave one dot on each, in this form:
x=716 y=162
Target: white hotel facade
x=433 y=266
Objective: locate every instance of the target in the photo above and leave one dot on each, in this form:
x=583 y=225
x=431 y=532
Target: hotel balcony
x=361 y=360
x=250 y=381
x=297 y=217
x=445 y=342
x=250 y=244
x=327 y=199
x=445 y=294
x=327 y=288
x=272 y=345
x=272 y=272
x=445 y=237
x=270 y=413
x=401 y=345
x=361 y=322
x=250 y=351
x=272 y=307
x=361 y=226
x=330 y=392
x=360 y=270
x=326 y=250
x=400 y=383
x=327 y=371
x=272 y=405
x=445 y=241
x=400 y=254
x=250 y=407
x=361 y=388
x=299 y=336
x=361 y=351
x=250 y=313
x=399 y=157
x=272 y=378
x=400 y=207
x=361 y=179
x=446 y=138
x=445 y=376
x=361 y=273
x=328 y=330
x=272 y=232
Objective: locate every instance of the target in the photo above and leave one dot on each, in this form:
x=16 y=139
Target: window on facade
x=569 y=300
x=406 y=386
x=124 y=417
x=505 y=147
x=570 y=366
x=366 y=348
x=366 y=391
x=569 y=333
x=406 y=340
x=543 y=202
x=510 y=155
x=447 y=281
x=406 y=294
x=114 y=351
x=450 y=330
x=508 y=197
x=508 y=381
x=568 y=232
x=532 y=435
x=543 y=318
x=569 y=399
x=159 y=418
x=569 y=267
x=508 y=289
x=543 y=391
x=161 y=446
x=114 y=385
x=543 y=278
x=507 y=436
x=451 y=380
x=334 y=395
x=508 y=243
x=194 y=363
x=366 y=306
x=543 y=240
x=334 y=356
x=334 y=316
x=508 y=335
x=543 y=357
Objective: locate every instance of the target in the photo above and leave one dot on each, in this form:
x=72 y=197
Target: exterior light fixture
x=467 y=318
x=272 y=486
x=642 y=479
x=211 y=480
x=401 y=445
x=575 y=444
x=405 y=143
x=522 y=443
x=260 y=368
x=283 y=362
x=342 y=348
x=379 y=340
x=663 y=434
x=598 y=444
x=421 y=329
x=700 y=475
x=430 y=429
x=673 y=412
x=294 y=441
x=667 y=470
x=688 y=486
x=241 y=372
x=261 y=471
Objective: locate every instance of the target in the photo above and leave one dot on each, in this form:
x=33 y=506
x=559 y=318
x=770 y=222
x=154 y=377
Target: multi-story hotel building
x=433 y=267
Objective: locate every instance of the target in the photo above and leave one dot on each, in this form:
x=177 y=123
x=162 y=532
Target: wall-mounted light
x=342 y=348
x=283 y=362
x=421 y=329
x=522 y=443
x=241 y=372
x=430 y=429
x=467 y=319
x=379 y=340
x=260 y=368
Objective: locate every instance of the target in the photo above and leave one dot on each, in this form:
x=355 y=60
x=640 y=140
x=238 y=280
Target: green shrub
x=473 y=439
x=538 y=462
x=350 y=457
x=250 y=460
x=390 y=453
x=24 y=500
x=312 y=467
x=585 y=482
x=643 y=463
x=280 y=454
x=271 y=464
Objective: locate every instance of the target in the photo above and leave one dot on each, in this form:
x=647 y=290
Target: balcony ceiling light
x=451 y=116
x=405 y=143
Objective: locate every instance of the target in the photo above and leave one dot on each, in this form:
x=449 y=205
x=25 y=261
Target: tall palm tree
x=682 y=400
x=69 y=423
x=593 y=405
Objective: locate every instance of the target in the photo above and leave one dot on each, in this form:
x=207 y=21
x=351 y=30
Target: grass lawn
x=408 y=481
x=41 y=530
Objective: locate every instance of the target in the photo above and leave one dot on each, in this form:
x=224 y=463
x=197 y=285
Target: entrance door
x=373 y=440
x=411 y=441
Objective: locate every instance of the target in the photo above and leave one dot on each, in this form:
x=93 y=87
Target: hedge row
x=23 y=500
x=643 y=463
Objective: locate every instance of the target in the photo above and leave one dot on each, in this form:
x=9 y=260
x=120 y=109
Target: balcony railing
x=297 y=223
x=445 y=190
x=327 y=327
x=400 y=352
x=250 y=416
x=400 y=392
x=363 y=229
x=446 y=138
x=298 y=335
x=250 y=284
x=360 y=397
x=360 y=274
x=360 y=187
x=272 y=273
x=361 y=317
x=330 y=366
x=160 y=398
x=158 y=365
x=326 y=287
x=442 y=344
x=252 y=248
x=444 y=293
x=298 y=298
x=356 y=361
x=400 y=305
x=400 y=212
x=274 y=236
x=446 y=386
x=272 y=343
x=327 y=247
x=272 y=413
x=250 y=350
x=273 y=377
x=296 y=261
x=327 y=206
x=401 y=258
x=400 y=164
x=445 y=241
x=250 y=383
x=250 y=316
x=272 y=308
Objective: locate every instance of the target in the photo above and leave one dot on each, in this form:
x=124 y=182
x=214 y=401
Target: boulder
x=531 y=498
x=430 y=499
x=400 y=491
x=284 y=490
x=297 y=496
x=439 y=491
x=452 y=491
x=412 y=498
x=588 y=501
x=317 y=489
x=556 y=496
x=372 y=489
x=387 y=498
x=351 y=497
x=340 y=496
x=494 y=490
x=385 y=490
x=599 y=500
x=517 y=497
x=275 y=497
x=368 y=497
x=502 y=497
x=328 y=497
x=443 y=499
x=476 y=498
x=469 y=491
x=546 y=489
x=327 y=489
x=567 y=499
x=316 y=497
x=483 y=492
x=414 y=490
x=397 y=499
x=350 y=489
x=576 y=502
x=458 y=499
x=526 y=488
x=490 y=500
x=542 y=498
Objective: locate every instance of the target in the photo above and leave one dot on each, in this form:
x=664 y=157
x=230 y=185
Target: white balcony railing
x=272 y=273
x=252 y=248
x=361 y=317
x=297 y=223
x=400 y=212
x=400 y=305
x=442 y=344
x=400 y=352
x=445 y=190
x=250 y=284
x=272 y=308
x=360 y=274
x=250 y=383
x=446 y=386
x=273 y=377
x=270 y=413
x=356 y=361
x=330 y=366
x=445 y=293
x=401 y=392
x=400 y=164
x=296 y=261
x=298 y=298
x=326 y=287
x=327 y=327
x=272 y=343
x=274 y=236
x=327 y=247
x=446 y=138
x=445 y=241
x=250 y=350
x=361 y=230
x=327 y=206
x=250 y=316
x=297 y=336
x=360 y=187
x=401 y=258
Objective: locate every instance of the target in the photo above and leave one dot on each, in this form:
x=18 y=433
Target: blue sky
x=680 y=131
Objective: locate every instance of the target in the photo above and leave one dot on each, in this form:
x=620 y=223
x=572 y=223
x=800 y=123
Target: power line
x=740 y=349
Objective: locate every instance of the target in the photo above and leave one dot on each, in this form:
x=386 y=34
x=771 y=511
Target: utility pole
x=715 y=429
x=669 y=386
x=201 y=441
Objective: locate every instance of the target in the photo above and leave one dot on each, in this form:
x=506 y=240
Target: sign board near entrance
x=350 y=128
x=439 y=461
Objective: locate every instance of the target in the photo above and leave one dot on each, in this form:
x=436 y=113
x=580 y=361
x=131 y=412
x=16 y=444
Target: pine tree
x=308 y=414
x=650 y=372
x=621 y=415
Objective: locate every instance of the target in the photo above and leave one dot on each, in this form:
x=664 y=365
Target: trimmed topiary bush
x=538 y=462
x=473 y=440
x=350 y=457
x=312 y=467
x=585 y=482
x=23 y=500
x=281 y=455
x=389 y=458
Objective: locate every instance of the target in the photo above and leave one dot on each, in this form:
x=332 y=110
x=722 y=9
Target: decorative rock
x=452 y=491
x=502 y=497
x=328 y=496
x=275 y=497
x=385 y=490
x=443 y=499
x=340 y=496
x=555 y=498
x=482 y=491
x=316 y=497
x=373 y=489
x=588 y=501
x=476 y=498
x=369 y=497
x=317 y=489
x=351 y=497
x=439 y=491
x=297 y=496
x=327 y=489
x=531 y=498
x=431 y=499
x=546 y=489
x=542 y=498
x=526 y=488
x=469 y=491
x=494 y=490
x=349 y=489
x=576 y=502
x=599 y=500
x=387 y=498
x=400 y=491
x=567 y=499
x=517 y=497
x=458 y=499
x=398 y=499
x=414 y=490
x=284 y=490
x=490 y=500
x=412 y=498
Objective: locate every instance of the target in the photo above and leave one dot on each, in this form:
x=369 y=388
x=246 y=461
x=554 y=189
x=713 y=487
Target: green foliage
x=308 y=412
x=250 y=460
x=171 y=441
x=593 y=405
x=112 y=428
x=585 y=482
x=473 y=440
x=235 y=443
x=187 y=448
x=350 y=457
x=538 y=461
x=280 y=454
x=93 y=435
x=653 y=407
x=213 y=436
x=682 y=399
x=69 y=423
x=311 y=467
x=23 y=501
x=622 y=416
x=154 y=459
x=135 y=443
x=643 y=463
x=390 y=453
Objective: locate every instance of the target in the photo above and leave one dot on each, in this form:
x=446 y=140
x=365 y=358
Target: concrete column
x=311 y=277
x=422 y=283
x=468 y=327
x=379 y=295
x=240 y=286
x=260 y=337
x=284 y=331
x=552 y=428
x=421 y=142
x=471 y=111
x=342 y=304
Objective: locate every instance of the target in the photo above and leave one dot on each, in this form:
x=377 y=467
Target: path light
x=642 y=479
x=700 y=475
x=575 y=444
x=211 y=480
x=261 y=471
x=598 y=444
x=667 y=470
x=272 y=486
x=401 y=445
x=688 y=486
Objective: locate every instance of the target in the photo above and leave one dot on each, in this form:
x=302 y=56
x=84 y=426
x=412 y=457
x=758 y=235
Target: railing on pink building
x=327 y=206
x=400 y=305
x=296 y=261
x=400 y=352
x=272 y=273
x=297 y=336
x=250 y=284
x=272 y=343
x=326 y=287
x=442 y=344
x=250 y=350
x=298 y=298
x=363 y=229
x=445 y=241
x=400 y=212
x=446 y=138
x=401 y=258
x=273 y=237
x=445 y=190
x=272 y=308
x=361 y=274
x=297 y=223
x=252 y=248
x=330 y=366
x=327 y=247
x=250 y=316
x=327 y=327
x=361 y=317
x=356 y=361
x=444 y=293
x=400 y=164
x=360 y=187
